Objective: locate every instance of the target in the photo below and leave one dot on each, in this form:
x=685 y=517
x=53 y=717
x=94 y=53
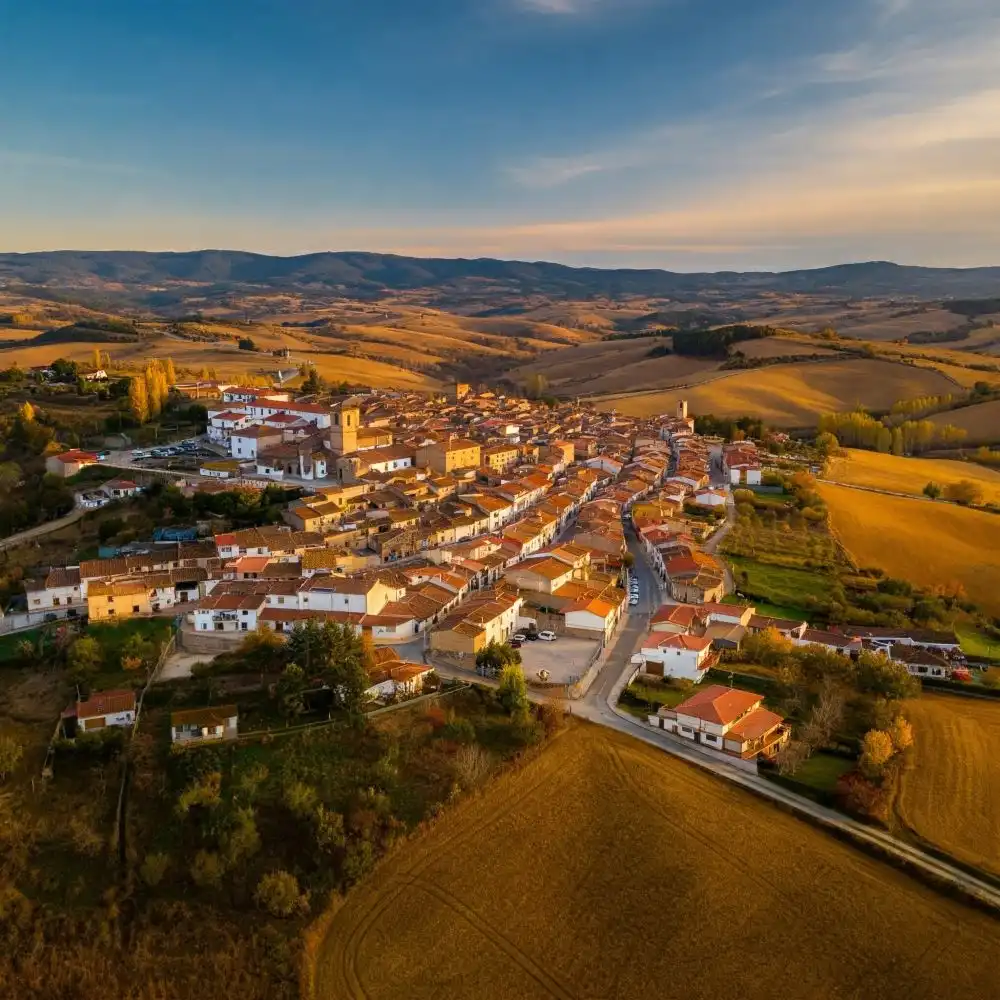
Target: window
x=111 y=600
x=135 y=609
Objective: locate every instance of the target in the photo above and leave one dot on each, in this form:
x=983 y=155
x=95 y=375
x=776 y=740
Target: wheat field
x=794 y=395
x=950 y=794
x=909 y=475
x=607 y=869
x=980 y=422
x=929 y=544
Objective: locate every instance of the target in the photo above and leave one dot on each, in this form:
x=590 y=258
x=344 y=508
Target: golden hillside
x=909 y=475
x=930 y=544
x=795 y=395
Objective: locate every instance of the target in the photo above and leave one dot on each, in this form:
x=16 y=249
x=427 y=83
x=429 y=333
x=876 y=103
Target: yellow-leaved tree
x=138 y=399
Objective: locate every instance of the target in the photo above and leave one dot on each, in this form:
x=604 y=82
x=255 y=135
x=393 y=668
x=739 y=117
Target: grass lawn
x=822 y=771
x=765 y=607
x=781 y=587
x=641 y=698
x=976 y=643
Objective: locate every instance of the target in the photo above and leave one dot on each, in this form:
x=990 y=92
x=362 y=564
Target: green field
x=977 y=643
x=782 y=587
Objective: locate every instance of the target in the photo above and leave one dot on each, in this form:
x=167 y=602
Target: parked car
x=547 y=636
x=518 y=637
x=633 y=600
x=515 y=643
x=531 y=636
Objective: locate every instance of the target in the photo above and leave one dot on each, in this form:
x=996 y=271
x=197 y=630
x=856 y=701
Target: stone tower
x=344 y=430
x=682 y=410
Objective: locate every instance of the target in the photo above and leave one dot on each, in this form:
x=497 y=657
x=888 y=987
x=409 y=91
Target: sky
x=685 y=134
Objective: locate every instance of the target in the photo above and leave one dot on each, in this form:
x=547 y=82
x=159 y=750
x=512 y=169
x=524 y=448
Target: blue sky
x=689 y=134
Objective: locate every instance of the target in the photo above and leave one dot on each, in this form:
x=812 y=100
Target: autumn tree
x=876 y=751
x=138 y=400
x=167 y=366
x=965 y=492
x=26 y=413
x=901 y=733
x=768 y=648
x=278 y=893
x=95 y=361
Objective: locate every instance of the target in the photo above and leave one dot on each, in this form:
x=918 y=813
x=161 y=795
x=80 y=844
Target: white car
x=547 y=636
x=519 y=637
x=633 y=600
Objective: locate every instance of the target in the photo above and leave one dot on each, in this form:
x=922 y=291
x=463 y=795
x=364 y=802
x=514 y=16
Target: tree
x=535 y=385
x=85 y=659
x=513 y=689
x=207 y=869
x=472 y=765
x=878 y=675
x=792 y=756
x=247 y=344
x=138 y=400
x=901 y=733
x=154 y=867
x=768 y=648
x=291 y=688
x=95 y=361
x=240 y=838
x=494 y=656
x=26 y=412
x=312 y=383
x=11 y=476
x=876 y=752
x=827 y=444
x=300 y=798
x=263 y=650
x=825 y=718
x=932 y=490
x=169 y=372
x=329 y=826
x=965 y=492
x=11 y=753
x=278 y=893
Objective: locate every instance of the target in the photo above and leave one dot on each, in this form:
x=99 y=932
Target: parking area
x=566 y=659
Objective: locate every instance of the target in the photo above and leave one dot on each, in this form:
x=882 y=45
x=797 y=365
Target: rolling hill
x=149 y=276
x=792 y=395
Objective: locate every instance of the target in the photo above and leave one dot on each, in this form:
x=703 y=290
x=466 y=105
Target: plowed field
x=951 y=795
x=607 y=869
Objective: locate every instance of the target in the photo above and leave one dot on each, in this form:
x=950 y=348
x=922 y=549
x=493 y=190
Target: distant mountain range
x=156 y=278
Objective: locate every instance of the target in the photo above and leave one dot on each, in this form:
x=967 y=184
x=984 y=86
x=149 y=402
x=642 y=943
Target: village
x=439 y=529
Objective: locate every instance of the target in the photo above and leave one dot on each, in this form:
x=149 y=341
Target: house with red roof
x=727 y=720
x=69 y=463
x=676 y=654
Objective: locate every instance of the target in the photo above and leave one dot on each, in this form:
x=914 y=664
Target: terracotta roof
x=102 y=703
x=214 y=715
x=719 y=704
x=758 y=723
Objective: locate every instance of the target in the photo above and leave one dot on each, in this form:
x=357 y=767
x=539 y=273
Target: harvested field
x=782 y=347
x=607 y=869
x=909 y=475
x=930 y=544
x=613 y=366
x=795 y=395
x=950 y=795
x=981 y=422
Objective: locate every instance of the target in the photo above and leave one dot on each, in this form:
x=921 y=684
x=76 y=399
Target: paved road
x=43 y=529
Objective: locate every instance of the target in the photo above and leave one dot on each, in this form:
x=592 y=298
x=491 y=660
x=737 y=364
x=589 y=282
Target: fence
x=23 y=620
